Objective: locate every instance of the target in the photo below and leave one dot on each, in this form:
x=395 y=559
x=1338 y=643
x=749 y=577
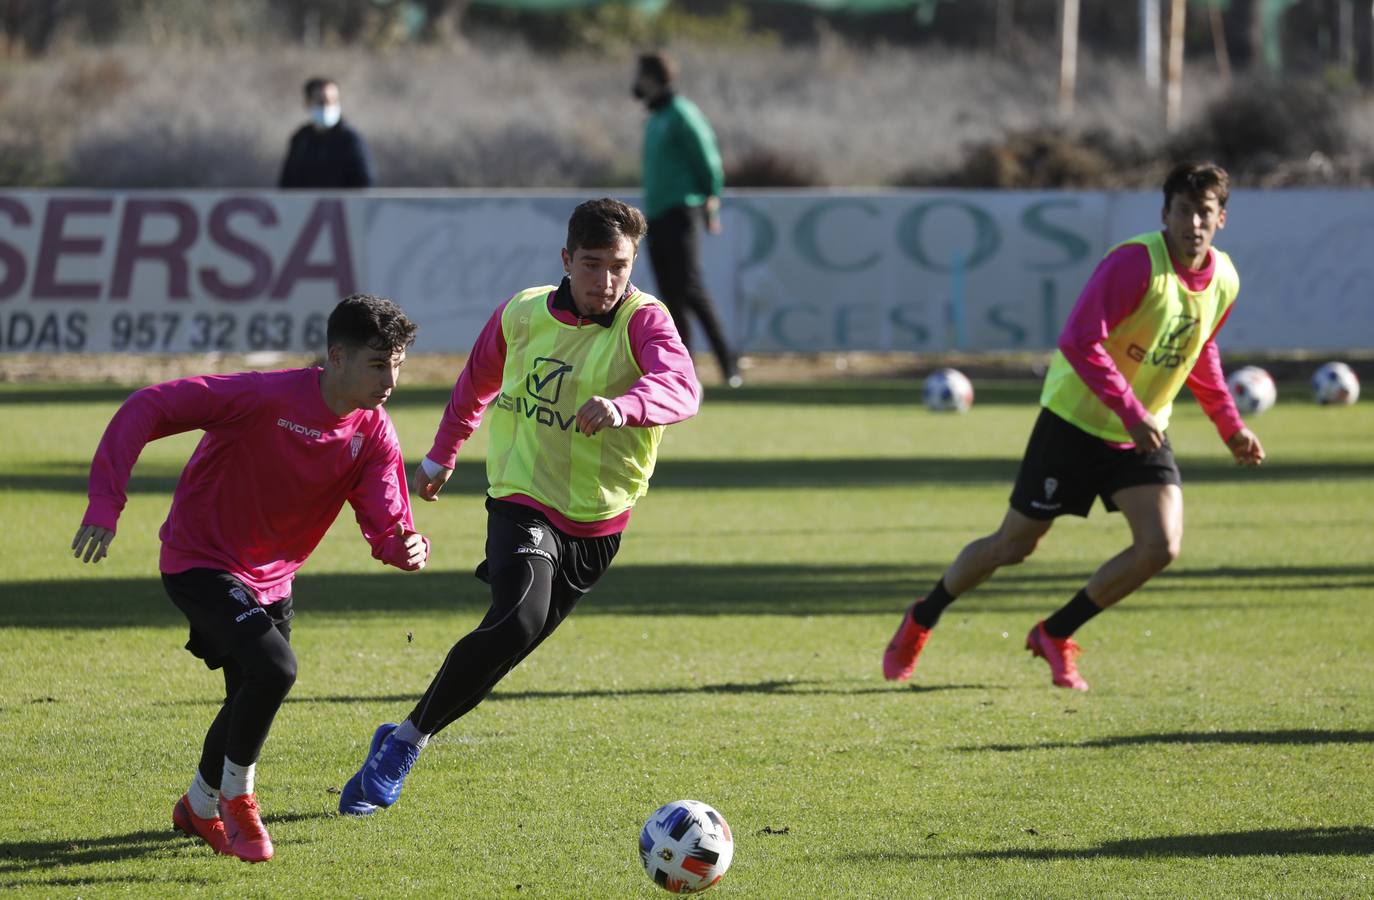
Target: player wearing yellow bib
x=1144 y=326
x=579 y=380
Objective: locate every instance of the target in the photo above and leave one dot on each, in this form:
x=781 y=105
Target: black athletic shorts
x=223 y=612
x=515 y=532
x=1065 y=469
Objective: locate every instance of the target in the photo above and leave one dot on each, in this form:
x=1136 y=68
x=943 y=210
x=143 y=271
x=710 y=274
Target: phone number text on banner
x=189 y=272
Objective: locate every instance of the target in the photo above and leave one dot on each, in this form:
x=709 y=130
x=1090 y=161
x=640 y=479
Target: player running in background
x=582 y=378
x=282 y=452
x=1145 y=325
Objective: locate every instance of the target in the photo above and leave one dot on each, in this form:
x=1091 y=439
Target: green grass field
x=732 y=656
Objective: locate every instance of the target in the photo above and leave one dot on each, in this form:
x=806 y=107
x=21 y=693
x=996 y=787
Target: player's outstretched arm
x=1246 y=448
x=92 y=541
x=429 y=479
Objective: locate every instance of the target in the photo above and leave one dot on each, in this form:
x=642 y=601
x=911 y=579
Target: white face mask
x=326 y=116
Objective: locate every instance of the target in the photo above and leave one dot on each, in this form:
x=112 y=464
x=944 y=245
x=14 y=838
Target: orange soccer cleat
x=1060 y=653
x=209 y=830
x=248 y=840
x=900 y=657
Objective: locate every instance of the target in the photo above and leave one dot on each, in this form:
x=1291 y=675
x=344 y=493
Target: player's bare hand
x=1246 y=448
x=596 y=414
x=412 y=551
x=1147 y=435
x=429 y=488
x=92 y=541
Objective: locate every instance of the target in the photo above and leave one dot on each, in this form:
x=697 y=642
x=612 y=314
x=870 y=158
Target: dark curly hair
x=365 y=320
x=1195 y=179
x=597 y=224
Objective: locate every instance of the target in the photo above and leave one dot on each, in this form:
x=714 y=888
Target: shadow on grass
x=754 y=589
x=739 y=474
x=864 y=392
x=145 y=882
x=50 y=394
x=755 y=474
x=20 y=856
x=1290 y=736
x=846 y=392
x=1339 y=840
x=766 y=688
x=25 y=856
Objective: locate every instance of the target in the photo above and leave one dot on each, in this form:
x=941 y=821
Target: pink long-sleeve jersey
x=668 y=392
x=1114 y=292
x=266 y=481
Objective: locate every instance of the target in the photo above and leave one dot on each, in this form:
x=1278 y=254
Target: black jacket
x=326 y=158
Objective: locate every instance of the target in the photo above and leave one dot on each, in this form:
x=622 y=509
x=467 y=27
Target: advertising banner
x=172 y=272
x=792 y=271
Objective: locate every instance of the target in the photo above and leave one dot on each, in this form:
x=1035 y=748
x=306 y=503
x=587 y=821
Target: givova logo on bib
x=1173 y=345
x=543 y=383
x=545 y=380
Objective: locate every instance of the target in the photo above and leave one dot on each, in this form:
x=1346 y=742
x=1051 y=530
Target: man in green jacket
x=682 y=184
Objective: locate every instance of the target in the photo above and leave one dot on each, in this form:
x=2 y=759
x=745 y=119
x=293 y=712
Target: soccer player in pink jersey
x=1145 y=325
x=282 y=452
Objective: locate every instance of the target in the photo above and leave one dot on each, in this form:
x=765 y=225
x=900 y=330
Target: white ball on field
x=1253 y=390
x=686 y=846
x=1335 y=384
x=948 y=390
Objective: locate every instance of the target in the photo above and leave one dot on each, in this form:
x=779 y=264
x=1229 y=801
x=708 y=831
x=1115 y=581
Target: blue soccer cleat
x=385 y=771
x=352 y=802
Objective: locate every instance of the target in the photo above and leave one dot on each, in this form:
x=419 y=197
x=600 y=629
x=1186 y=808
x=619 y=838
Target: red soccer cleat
x=900 y=657
x=248 y=840
x=209 y=830
x=1060 y=653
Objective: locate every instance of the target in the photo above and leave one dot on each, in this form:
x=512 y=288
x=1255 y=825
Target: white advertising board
x=179 y=271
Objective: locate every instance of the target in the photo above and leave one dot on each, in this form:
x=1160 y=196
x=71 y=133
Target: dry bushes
x=493 y=114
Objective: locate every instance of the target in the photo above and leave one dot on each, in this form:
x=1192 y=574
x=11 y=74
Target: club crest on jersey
x=1051 y=485
x=355 y=445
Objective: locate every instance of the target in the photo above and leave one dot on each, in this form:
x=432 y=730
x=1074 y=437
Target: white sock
x=204 y=799
x=407 y=732
x=237 y=780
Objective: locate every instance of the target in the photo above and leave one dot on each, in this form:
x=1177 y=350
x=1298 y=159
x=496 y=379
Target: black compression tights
x=523 y=613
x=257 y=677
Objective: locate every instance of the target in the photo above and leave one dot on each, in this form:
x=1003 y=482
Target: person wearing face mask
x=682 y=185
x=326 y=152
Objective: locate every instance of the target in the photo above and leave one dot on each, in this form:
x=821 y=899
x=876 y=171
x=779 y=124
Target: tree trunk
x=1251 y=14
x=1068 y=56
x=1173 y=102
x=1005 y=25
x=1149 y=44
x=1219 y=46
x=1362 y=34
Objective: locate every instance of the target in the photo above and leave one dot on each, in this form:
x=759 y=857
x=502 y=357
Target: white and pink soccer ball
x=1335 y=384
x=686 y=846
x=948 y=390
x=1253 y=390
